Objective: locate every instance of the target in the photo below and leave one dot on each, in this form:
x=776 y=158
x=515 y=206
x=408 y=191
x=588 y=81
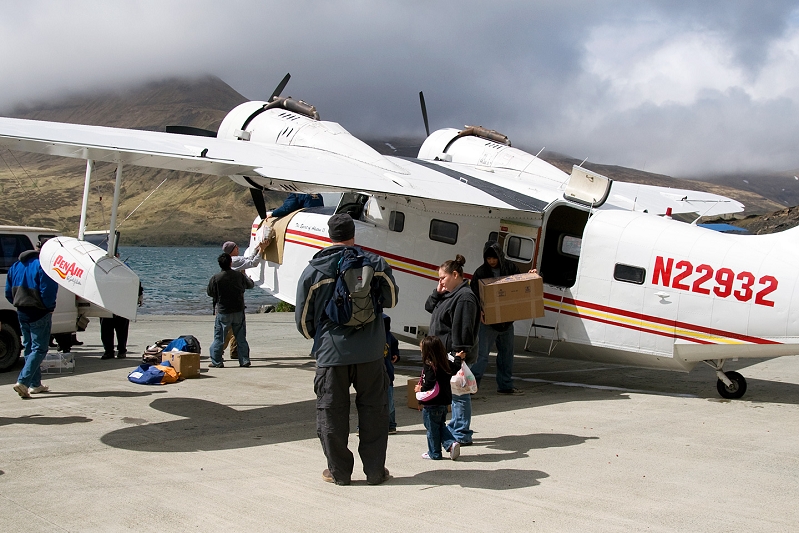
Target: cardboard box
x=187 y=363
x=509 y=298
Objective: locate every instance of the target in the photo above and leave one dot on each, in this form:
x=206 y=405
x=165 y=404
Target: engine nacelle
x=263 y=123
x=484 y=148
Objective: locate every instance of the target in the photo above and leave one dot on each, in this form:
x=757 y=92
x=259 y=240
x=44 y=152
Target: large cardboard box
x=509 y=298
x=187 y=363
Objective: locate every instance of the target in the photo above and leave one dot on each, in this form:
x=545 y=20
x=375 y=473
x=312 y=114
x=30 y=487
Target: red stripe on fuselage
x=659 y=320
x=569 y=301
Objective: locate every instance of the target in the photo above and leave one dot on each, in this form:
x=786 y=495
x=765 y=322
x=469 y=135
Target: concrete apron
x=587 y=447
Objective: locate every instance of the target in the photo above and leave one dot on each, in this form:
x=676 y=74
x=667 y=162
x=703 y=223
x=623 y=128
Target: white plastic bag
x=463 y=382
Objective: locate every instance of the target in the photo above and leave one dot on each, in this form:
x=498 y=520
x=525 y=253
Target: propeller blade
x=188 y=130
x=280 y=87
x=424 y=113
x=258 y=200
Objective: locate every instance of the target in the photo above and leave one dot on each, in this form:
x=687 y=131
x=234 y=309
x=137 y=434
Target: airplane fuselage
x=620 y=287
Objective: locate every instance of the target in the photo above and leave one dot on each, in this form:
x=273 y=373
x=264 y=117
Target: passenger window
x=570 y=245
x=12 y=246
x=442 y=231
x=520 y=249
x=493 y=236
x=396 y=221
x=629 y=274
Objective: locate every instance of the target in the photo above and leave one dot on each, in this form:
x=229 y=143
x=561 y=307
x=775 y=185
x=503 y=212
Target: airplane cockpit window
x=443 y=231
x=520 y=249
x=12 y=246
x=396 y=221
x=353 y=204
x=629 y=274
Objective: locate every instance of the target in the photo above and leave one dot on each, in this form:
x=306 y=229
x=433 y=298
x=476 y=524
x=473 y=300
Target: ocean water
x=175 y=279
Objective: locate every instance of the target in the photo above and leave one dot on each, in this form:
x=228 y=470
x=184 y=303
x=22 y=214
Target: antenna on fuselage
x=522 y=171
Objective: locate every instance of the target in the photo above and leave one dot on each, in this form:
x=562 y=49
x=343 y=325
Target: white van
x=13 y=241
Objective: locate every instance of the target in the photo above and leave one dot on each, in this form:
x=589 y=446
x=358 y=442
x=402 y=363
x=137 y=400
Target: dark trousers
x=332 y=387
x=109 y=326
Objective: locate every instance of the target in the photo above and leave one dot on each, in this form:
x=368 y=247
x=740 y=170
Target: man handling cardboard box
x=499 y=302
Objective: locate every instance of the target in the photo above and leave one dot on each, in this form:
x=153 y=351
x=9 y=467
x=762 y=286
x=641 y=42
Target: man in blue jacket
x=347 y=355
x=33 y=293
x=296 y=201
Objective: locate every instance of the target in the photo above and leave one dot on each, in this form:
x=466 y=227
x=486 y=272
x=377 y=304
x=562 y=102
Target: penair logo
x=68 y=271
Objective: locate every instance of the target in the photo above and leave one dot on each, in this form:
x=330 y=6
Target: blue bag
x=146 y=375
x=184 y=343
x=355 y=301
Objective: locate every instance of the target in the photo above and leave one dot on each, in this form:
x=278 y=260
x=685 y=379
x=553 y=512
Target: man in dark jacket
x=227 y=289
x=347 y=355
x=495 y=265
x=33 y=293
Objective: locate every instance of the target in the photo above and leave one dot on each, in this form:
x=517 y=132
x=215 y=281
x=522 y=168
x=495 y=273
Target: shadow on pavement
x=499 y=479
x=44 y=420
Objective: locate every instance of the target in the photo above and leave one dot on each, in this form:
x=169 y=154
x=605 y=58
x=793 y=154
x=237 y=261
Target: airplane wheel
x=9 y=347
x=734 y=391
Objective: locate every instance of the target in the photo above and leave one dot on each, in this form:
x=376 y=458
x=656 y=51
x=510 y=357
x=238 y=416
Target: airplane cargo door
x=562 y=240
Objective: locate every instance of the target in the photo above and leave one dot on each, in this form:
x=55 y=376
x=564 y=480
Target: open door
x=587 y=187
x=562 y=243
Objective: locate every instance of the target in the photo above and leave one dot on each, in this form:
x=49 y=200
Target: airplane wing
x=254 y=164
x=633 y=196
x=315 y=169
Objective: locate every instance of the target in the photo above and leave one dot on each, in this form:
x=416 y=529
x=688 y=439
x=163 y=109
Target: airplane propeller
x=280 y=87
x=200 y=132
x=424 y=113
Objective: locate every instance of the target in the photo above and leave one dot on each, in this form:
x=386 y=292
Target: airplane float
x=624 y=282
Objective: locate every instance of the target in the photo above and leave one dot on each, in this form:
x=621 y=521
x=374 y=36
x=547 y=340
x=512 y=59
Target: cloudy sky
x=683 y=87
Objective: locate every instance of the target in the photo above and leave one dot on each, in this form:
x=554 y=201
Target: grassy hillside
x=188 y=209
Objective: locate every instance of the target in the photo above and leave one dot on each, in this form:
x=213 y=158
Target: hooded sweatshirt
x=29 y=289
x=455 y=320
x=484 y=271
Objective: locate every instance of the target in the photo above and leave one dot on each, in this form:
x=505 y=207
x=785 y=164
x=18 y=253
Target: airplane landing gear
x=734 y=389
x=731 y=385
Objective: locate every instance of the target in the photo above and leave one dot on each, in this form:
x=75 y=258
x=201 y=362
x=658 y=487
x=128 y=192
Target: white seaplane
x=622 y=282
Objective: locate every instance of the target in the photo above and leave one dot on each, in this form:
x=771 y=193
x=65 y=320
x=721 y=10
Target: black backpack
x=356 y=296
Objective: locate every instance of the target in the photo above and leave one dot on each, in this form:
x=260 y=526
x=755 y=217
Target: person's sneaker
x=392 y=431
x=454 y=451
x=425 y=455
x=108 y=356
x=246 y=365
x=327 y=477
x=122 y=355
x=386 y=477
x=514 y=390
x=22 y=390
x=216 y=365
x=467 y=443
x=40 y=388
